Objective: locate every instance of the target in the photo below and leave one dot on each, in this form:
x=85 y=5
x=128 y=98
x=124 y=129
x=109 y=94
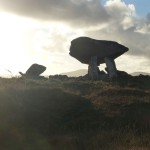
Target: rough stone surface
x=66 y=78
x=121 y=74
x=92 y=68
x=83 y=48
x=34 y=71
x=111 y=67
x=59 y=77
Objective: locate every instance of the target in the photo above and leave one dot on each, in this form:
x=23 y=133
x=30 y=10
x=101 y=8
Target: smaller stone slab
x=34 y=71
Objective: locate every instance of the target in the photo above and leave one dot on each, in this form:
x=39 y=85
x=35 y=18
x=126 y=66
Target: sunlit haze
x=44 y=36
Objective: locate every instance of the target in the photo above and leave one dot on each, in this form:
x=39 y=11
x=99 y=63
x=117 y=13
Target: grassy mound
x=74 y=115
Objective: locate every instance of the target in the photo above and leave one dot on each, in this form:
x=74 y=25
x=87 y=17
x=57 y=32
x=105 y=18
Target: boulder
x=34 y=71
x=83 y=48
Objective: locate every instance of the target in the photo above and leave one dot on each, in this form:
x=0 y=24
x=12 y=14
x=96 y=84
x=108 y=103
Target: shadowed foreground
x=74 y=115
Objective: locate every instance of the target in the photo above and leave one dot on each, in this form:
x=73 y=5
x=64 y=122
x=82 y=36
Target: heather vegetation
x=51 y=114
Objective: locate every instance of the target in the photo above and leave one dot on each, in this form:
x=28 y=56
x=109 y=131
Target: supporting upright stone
x=111 y=67
x=92 y=68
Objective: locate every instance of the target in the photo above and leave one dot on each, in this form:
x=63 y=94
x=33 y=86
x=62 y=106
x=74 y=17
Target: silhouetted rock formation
x=95 y=52
x=59 y=77
x=66 y=78
x=34 y=71
x=121 y=74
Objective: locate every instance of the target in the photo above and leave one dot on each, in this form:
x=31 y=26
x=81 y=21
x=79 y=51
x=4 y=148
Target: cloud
x=120 y=13
x=123 y=26
x=148 y=17
x=115 y=20
x=75 y=12
x=126 y=28
x=54 y=38
x=126 y=62
x=144 y=25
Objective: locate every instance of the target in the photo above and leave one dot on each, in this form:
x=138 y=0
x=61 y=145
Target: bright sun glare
x=22 y=41
x=14 y=37
x=11 y=37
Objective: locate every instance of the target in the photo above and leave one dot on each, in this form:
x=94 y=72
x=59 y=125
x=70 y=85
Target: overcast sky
x=40 y=31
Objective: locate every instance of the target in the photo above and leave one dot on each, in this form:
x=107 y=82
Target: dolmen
x=95 y=52
x=34 y=71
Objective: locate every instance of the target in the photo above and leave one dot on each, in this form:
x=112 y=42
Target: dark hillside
x=75 y=115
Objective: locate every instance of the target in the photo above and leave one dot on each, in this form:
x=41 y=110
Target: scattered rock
x=34 y=71
x=59 y=77
x=121 y=74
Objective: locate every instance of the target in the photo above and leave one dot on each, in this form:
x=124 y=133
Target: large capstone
x=83 y=48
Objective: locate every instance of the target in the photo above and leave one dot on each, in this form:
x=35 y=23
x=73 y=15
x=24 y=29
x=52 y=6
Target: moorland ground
x=75 y=115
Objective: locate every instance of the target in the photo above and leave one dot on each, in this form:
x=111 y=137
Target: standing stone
x=92 y=68
x=111 y=67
